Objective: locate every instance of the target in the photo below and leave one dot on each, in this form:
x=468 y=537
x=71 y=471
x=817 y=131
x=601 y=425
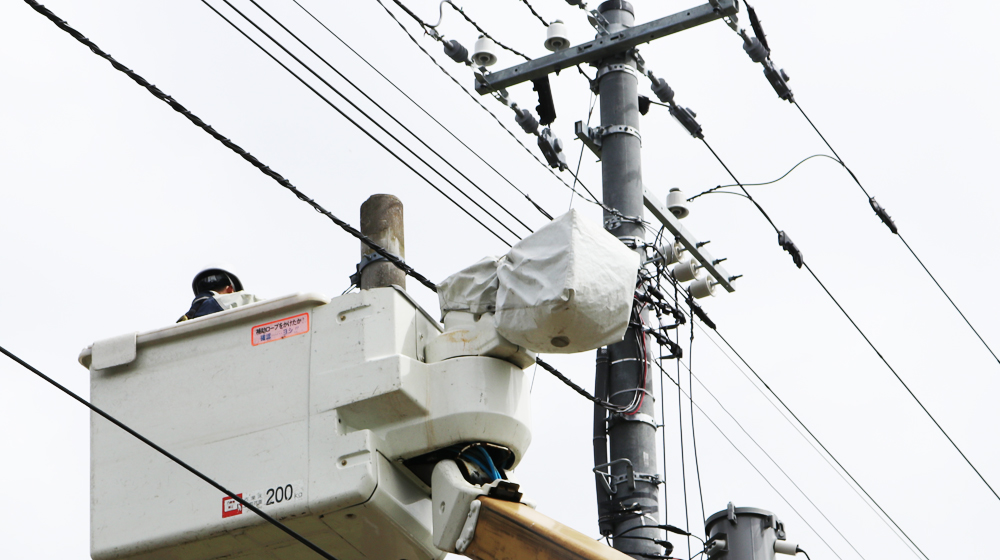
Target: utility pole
x=632 y=436
x=624 y=442
x=382 y=221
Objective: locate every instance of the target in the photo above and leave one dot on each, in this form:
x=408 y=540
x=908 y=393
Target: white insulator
x=702 y=287
x=677 y=204
x=686 y=271
x=556 y=36
x=671 y=252
x=485 y=52
x=785 y=547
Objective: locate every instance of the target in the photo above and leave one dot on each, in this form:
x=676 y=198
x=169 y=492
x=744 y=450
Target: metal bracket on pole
x=697 y=250
x=621 y=129
x=611 y=482
x=591 y=137
x=627 y=68
x=606 y=45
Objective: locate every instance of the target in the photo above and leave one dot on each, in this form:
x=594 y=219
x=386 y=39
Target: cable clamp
x=640 y=418
x=370 y=258
x=788 y=245
x=636 y=390
x=883 y=215
x=619 y=67
x=620 y=129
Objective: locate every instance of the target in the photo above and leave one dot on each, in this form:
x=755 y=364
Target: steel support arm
x=663 y=215
x=605 y=46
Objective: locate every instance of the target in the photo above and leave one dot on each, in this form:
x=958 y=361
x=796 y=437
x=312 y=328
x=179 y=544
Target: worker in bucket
x=215 y=290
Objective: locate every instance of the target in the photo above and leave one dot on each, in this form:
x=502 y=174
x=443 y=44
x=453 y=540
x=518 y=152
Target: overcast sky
x=111 y=201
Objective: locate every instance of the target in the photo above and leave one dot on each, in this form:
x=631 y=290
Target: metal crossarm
x=606 y=45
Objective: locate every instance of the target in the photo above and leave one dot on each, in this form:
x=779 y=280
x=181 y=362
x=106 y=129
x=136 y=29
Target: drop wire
x=355 y=123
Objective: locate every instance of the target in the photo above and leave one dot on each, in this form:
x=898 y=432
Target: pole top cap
x=615 y=5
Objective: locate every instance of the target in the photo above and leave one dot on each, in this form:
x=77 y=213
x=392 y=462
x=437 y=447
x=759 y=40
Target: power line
x=355 y=123
x=424 y=111
x=534 y=13
x=389 y=114
x=44 y=11
x=540 y=362
x=694 y=439
x=801 y=263
x=814 y=437
x=680 y=430
x=413 y=39
x=871 y=201
x=176 y=106
x=714 y=189
x=468 y=19
x=905 y=386
x=395 y=260
x=754 y=467
x=690 y=395
x=579 y=160
x=768 y=455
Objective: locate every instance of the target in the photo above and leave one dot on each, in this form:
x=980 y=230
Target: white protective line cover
x=566 y=288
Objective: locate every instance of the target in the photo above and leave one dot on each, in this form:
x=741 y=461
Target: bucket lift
x=348 y=419
x=309 y=407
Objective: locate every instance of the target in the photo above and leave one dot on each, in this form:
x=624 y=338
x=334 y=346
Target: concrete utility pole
x=632 y=437
x=382 y=221
x=624 y=443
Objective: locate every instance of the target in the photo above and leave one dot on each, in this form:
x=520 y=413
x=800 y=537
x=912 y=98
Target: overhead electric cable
x=238 y=497
x=424 y=111
x=355 y=123
x=680 y=431
x=754 y=467
x=892 y=227
x=534 y=13
x=694 y=439
x=857 y=485
x=858 y=328
x=905 y=386
x=768 y=455
x=413 y=39
x=388 y=113
x=156 y=92
x=579 y=160
x=759 y=51
x=381 y=251
x=468 y=19
x=714 y=189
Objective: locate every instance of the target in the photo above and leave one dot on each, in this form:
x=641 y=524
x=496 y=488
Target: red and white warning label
x=262 y=499
x=231 y=507
x=280 y=329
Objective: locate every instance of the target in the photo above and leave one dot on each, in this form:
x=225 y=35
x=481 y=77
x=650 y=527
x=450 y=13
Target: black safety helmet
x=215 y=279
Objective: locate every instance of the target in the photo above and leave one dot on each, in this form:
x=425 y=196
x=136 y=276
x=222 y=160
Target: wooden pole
x=382 y=221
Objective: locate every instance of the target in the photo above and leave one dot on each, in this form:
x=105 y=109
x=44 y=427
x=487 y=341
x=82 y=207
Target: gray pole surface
x=632 y=436
x=382 y=221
